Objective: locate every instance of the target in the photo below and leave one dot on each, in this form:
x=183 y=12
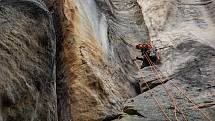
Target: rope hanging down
x=180 y=90
x=158 y=103
x=150 y=57
x=172 y=98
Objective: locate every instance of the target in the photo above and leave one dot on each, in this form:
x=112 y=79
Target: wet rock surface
x=96 y=57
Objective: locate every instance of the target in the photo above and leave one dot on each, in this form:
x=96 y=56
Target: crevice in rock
x=130 y=111
x=196 y=3
x=205 y=105
x=62 y=86
x=112 y=117
x=152 y=84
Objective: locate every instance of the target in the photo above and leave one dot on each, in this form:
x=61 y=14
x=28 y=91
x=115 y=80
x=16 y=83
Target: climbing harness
x=146 y=48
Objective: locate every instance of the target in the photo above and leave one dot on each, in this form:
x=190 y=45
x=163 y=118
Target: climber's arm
x=138 y=58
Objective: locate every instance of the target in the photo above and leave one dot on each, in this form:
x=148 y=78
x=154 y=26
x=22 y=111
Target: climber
x=149 y=51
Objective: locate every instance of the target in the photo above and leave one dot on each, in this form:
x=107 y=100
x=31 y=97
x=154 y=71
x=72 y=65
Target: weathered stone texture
x=27 y=62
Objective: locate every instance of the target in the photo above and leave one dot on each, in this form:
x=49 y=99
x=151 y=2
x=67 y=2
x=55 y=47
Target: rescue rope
x=172 y=98
x=189 y=99
x=176 y=107
x=157 y=102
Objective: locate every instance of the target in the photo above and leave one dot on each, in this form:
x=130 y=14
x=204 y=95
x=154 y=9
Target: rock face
x=98 y=48
x=184 y=32
x=96 y=61
x=92 y=76
x=27 y=62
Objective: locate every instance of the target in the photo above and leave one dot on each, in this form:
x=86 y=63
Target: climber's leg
x=145 y=63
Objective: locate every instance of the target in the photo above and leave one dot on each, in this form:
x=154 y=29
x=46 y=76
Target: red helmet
x=141 y=46
x=148 y=46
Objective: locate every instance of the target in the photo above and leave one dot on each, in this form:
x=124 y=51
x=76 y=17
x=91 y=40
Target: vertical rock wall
x=183 y=32
x=27 y=62
x=96 y=77
x=97 y=53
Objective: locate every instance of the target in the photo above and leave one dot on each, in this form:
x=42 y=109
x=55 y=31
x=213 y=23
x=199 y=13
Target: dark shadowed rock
x=27 y=62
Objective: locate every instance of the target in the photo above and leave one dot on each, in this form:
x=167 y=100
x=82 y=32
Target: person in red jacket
x=147 y=50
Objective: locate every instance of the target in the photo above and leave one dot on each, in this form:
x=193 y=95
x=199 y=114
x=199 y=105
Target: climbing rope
x=160 y=76
x=152 y=65
x=165 y=88
x=157 y=102
x=172 y=98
